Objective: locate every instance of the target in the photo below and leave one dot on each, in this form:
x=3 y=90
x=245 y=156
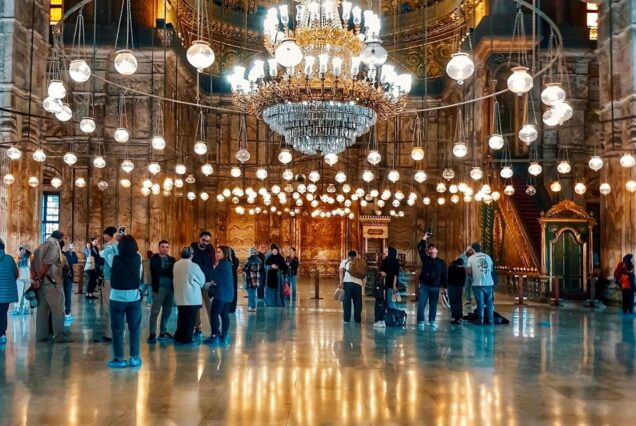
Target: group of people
x=471 y=271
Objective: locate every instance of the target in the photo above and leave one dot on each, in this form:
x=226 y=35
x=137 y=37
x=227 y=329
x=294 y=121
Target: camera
x=122 y=230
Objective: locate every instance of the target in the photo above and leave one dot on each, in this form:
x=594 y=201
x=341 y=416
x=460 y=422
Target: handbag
x=211 y=291
x=338 y=295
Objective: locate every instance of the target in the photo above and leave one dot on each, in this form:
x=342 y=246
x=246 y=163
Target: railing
x=524 y=284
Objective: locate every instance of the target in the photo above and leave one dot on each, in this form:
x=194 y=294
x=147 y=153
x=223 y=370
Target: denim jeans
x=455 y=299
x=352 y=294
x=251 y=297
x=292 y=286
x=219 y=309
x=68 y=293
x=389 y=299
x=484 y=297
x=130 y=312
x=426 y=293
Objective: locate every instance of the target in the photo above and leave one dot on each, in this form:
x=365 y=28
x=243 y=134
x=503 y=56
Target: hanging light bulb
x=495 y=141
x=154 y=168
x=285 y=156
x=125 y=62
x=555 y=186
x=460 y=67
x=65 y=113
x=627 y=160
x=341 y=177
x=80 y=182
x=495 y=195
x=448 y=173
x=535 y=168
x=128 y=166
x=460 y=149
x=243 y=155
x=486 y=189
x=190 y=179
x=331 y=159
x=605 y=188
x=373 y=54
x=56 y=182
x=200 y=55
x=552 y=94
x=441 y=187
x=314 y=176
x=39 y=155
x=520 y=81
x=288 y=53
x=87 y=125
x=562 y=112
x=155 y=189
x=56 y=89
x=178 y=183
x=564 y=167
x=52 y=105
x=595 y=163
x=288 y=174
x=200 y=148
x=549 y=118
x=453 y=189
x=630 y=186
x=70 y=158
x=33 y=181
x=426 y=201
x=207 y=169
x=121 y=135
x=531 y=190
x=374 y=157
x=509 y=190
x=204 y=196
x=417 y=153
x=180 y=169
x=380 y=203
x=476 y=173
x=580 y=188
x=528 y=133
x=145 y=191
x=79 y=71
x=441 y=201
x=419 y=176
x=393 y=176
x=235 y=172
x=8 y=179
x=462 y=187
x=506 y=172
x=261 y=174
x=374 y=193
x=191 y=196
x=158 y=142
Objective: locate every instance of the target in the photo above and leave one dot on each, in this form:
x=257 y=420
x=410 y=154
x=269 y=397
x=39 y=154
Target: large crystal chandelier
x=327 y=82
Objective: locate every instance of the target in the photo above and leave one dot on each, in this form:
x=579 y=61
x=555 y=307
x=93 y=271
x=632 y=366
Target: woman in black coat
x=235 y=265
x=276 y=268
x=456 y=280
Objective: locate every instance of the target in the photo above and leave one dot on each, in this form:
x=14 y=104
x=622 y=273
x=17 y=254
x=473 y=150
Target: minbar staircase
x=529 y=209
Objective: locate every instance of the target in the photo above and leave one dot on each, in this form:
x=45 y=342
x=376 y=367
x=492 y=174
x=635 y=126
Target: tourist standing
x=71 y=260
x=468 y=284
x=221 y=297
x=188 y=282
x=431 y=278
x=292 y=271
x=480 y=266
x=352 y=288
x=262 y=254
x=390 y=272
x=8 y=289
x=252 y=271
x=47 y=276
x=276 y=269
x=92 y=266
x=203 y=255
x=456 y=281
x=235 y=265
x=146 y=281
x=161 y=269
x=24 y=280
x=111 y=237
x=125 y=301
x=624 y=277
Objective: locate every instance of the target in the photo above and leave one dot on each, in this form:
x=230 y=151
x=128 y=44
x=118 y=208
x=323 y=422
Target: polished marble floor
x=301 y=365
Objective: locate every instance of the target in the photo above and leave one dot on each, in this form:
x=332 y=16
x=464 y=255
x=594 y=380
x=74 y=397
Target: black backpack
x=395 y=317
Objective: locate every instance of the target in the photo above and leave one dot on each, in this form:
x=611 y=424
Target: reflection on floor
x=301 y=365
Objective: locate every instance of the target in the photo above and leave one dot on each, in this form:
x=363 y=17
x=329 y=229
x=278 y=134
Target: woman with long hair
x=24 y=280
x=275 y=268
x=624 y=276
x=222 y=293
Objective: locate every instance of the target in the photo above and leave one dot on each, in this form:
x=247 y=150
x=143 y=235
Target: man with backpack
x=352 y=272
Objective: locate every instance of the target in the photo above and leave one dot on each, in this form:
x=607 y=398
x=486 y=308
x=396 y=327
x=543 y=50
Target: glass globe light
x=65 y=113
x=460 y=67
x=386 y=194
x=341 y=177
x=220 y=198
x=39 y=155
x=549 y=118
x=200 y=55
x=52 y=105
x=419 y=176
x=8 y=179
x=56 y=89
x=235 y=172
x=125 y=62
x=314 y=176
x=509 y=190
x=395 y=203
x=506 y=172
x=564 y=167
x=364 y=203
x=158 y=142
x=460 y=149
x=33 y=181
x=485 y=189
x=476 y=173
x=121 y=135
x=630 y=186
x=99 y=162
x=426 y=201
x=393 y=176
x=627 y=161
x=468 y=198
x=288 y=53
x=285 y=156
x=417 y=153
x=528 y=133
x=453 y=189
x=399 y=195
x=178 y=183
x=144 y=191
x=243 y=155
x=331 y=159
x=555 y=186
x=410 y=202
x=207 y=169
x=70 y=158
x=261 y=174
x=147 y=183
x=127 y=166
x=155 y=189
x=454 y=199
x=495 y=195
x=331 y=188
x=56 y=182
x=200 y=148
x=374 y=193
x=580 y=188
x=552 y=94
x=605 y=188
x=479 y=196
x=595 y=163
x=374 y=157
x=535 y=168
x=102 y=185
x=226 y=192
x=79 y=71
x=87 y=125
x=373 y=54
x=520 y=81
x=180 y=169
x=487 y=199
x=380 y=203
x=346 y=188
x=275 y=190
x=190 y=179
x=441 y=201
x=462 y=187
x=191 y=196
x=562 y=112
x=288 y=174
x=495 y=141
x=340 y=198
x=204 y=196
x=154 y=168
x=448 y=173
x=80 y=182
x=441 y=187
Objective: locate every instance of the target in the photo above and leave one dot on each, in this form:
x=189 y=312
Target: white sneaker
x=421 y=325
x=433 y=325
x=379 y=324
